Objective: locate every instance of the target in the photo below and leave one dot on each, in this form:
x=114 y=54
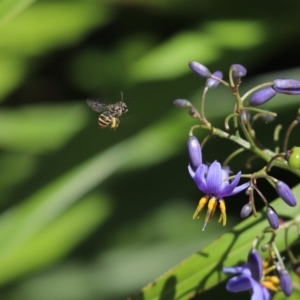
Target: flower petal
x=192 y=173
x=214 y=179
x=259 y=292
x=235 y=270
x=240 y=283
x=200 y=179
x=226 y=191
x=239 y=188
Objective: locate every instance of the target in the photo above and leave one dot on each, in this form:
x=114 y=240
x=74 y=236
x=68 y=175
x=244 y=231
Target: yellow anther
x=211 y=207
x=271 y=283
x=223 y=216
x=201 y=204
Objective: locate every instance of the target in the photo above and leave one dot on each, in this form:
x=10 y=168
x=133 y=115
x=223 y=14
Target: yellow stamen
x=271 y=283
x=223 y=216
x=201 y=204
x=212 y=204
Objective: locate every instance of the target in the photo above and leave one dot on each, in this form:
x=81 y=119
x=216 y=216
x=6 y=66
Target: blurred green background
x=97 y=214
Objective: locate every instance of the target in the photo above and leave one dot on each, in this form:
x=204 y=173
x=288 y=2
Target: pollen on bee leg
x=223 y=216
x=201 y=204
x=212 y=204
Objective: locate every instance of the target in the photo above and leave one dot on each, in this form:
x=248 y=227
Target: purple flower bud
x=285 y=193
x=255 y=264
x=286 y=282
x=268 y=118
x=272 y=217
x=199 y=69
x=195 y=154
x=246 y=210
x=182 y=103
x=287 y=86
x=238 y=71
x=211 y=82
x=262 y=96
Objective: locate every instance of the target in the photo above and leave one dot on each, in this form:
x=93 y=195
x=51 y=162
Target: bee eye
x=293 y=158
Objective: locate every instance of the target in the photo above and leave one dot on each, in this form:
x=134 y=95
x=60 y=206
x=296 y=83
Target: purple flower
x=211 y=180
x=248 y=278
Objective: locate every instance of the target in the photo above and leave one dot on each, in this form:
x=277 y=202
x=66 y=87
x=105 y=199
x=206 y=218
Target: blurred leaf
x=174 y=55
x=10 y=8
x=203 y=270
x=37 y=129
x=56 y=239
x=48 y=25
x=236 y=34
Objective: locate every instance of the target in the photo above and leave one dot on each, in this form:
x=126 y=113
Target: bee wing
x=96 y=105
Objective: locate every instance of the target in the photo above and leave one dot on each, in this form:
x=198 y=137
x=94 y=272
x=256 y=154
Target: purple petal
x=235 y=270
x=211 y=82
x=214 y=179
x=239 y=188
x=191 y=171
x=199 y=69
x=259 y=292
x=229 y=188
x=255 y=264
x=200 y=179
x=240 y=283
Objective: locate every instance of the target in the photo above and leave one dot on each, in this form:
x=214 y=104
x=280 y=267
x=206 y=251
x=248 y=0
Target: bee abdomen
x=104 y=120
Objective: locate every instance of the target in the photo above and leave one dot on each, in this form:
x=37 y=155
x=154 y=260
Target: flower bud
x=272 y=217
x=286 y=282
x=182 y=103
x=238 y=71
x=195 y=154
x=211 y=82
x=199 y=69
x=293 y=158
x=285 y=193
x=255 y=264
x=246 y=210
x=262 y=96
x=287 y=86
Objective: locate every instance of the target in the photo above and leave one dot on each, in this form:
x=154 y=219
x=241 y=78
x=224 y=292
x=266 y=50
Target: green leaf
x=10 y=8
x=203 y=270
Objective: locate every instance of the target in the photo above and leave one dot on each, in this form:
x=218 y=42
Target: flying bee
x=110 y=113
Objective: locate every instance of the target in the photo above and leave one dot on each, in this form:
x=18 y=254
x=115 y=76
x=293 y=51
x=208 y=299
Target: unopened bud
x=286 y=282
x=195 y=154
x=272 y=217
x=238 y=71
x=285 y=193
x=246 y=210
x=182 y=103
x=211 y=82
x=199 y=69
x=287 y=86
x=262 y=96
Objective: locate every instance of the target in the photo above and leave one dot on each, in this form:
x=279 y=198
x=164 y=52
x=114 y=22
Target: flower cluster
x=216 y=182
x=259 y=277
x=212 y=181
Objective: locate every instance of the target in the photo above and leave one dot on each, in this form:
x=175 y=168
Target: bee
x=110 y=113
